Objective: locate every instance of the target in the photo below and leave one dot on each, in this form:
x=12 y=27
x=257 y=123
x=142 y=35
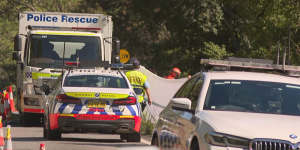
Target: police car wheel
x=123 y=137
x=54 y=134
x=50 y=134
x=44 y=133
x=134 y=137
x=45 y=128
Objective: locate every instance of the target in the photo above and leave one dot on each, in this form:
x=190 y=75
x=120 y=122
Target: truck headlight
x=225 y=140
x=29 y=89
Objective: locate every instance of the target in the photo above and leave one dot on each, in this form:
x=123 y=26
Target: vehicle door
x=186 y=120
x=168 y=117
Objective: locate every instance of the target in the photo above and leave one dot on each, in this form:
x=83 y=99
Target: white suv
x=232 y=110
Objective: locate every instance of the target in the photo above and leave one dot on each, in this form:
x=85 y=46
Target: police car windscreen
x=253 y=96
x=100 y=81
x=48 y=51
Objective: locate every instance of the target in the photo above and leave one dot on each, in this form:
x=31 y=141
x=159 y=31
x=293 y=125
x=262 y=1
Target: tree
x=253 y=27
x=165 y=33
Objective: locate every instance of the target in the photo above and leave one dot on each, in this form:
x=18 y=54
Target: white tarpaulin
x=161 y=91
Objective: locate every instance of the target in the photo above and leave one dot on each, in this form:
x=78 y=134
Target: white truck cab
x=47 y=41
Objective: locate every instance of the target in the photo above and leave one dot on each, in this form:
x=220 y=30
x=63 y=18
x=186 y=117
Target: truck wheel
x=134 y=137
x=25 y=119
x=48 y=133
x=28 y=119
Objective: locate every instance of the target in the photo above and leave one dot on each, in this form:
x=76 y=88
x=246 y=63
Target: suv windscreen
x=50 y=50
x=95 y=81
x=253 y=96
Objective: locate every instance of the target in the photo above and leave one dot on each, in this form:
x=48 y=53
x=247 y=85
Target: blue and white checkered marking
x=28 y=75
x=132 y=110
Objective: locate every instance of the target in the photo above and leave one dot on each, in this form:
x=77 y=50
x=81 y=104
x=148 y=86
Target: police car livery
x=93 y=100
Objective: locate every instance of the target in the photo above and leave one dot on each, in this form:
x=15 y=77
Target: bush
x=212 y=50
x=147 y=125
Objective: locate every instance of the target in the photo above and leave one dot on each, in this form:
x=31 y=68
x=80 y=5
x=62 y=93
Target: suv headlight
x=225 y=140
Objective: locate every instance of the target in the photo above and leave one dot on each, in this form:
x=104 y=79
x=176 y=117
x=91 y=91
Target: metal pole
x=278 y=52
x=283 y=61
x=289 y=51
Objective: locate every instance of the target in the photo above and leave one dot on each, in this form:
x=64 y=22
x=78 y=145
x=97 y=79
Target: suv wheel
x=194 y=145
x=154 y=141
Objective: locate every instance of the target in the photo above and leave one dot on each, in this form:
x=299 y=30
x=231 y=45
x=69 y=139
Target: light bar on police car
x=251 y=65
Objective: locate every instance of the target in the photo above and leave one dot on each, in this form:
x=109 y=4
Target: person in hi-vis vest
x=139 y=83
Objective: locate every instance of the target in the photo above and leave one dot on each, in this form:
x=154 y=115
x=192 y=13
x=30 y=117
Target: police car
x=93 y=100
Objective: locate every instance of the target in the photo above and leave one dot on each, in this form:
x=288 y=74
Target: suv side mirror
x=183 y=104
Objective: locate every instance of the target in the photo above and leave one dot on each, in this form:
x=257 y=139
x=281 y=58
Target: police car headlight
x=29 y=89
x=225 y=140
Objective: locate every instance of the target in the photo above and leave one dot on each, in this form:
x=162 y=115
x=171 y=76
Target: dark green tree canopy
x=164 y=34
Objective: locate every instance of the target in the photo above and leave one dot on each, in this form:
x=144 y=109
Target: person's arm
x=147 y=87
x=148 y=94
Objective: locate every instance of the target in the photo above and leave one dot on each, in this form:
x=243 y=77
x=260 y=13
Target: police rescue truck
x=47 y=41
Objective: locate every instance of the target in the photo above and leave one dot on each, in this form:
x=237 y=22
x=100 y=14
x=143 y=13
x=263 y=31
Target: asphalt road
x=30 y=138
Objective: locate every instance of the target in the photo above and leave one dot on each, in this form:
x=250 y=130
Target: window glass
x=95 y=81
x=194 y=95
x=185 y=90
x=253 y=96
x=50 y=50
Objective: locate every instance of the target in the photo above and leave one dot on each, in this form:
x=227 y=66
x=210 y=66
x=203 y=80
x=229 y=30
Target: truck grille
x=272 y=144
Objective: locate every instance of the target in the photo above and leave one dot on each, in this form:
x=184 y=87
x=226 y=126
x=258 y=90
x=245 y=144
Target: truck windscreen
x=49 y=51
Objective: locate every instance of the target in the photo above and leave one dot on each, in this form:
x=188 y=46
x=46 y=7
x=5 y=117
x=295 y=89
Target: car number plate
x=96 y=104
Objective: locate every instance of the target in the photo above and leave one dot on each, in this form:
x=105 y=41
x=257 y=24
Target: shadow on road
x=27 y=139
x=82 y=141
x=91 y=140
x=100 y=142
x=104 y=142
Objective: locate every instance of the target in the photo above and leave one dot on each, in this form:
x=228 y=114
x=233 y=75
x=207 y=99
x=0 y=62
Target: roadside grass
x=147 y=125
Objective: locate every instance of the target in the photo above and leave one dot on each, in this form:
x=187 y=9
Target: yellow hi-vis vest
x=137 y=81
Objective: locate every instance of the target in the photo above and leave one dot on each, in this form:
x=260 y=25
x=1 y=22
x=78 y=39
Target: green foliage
x=165 y=34
x=212 y=50
x=147 y=125
x=260 y=53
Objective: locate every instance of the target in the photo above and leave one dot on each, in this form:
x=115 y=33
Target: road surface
x=29 y=138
